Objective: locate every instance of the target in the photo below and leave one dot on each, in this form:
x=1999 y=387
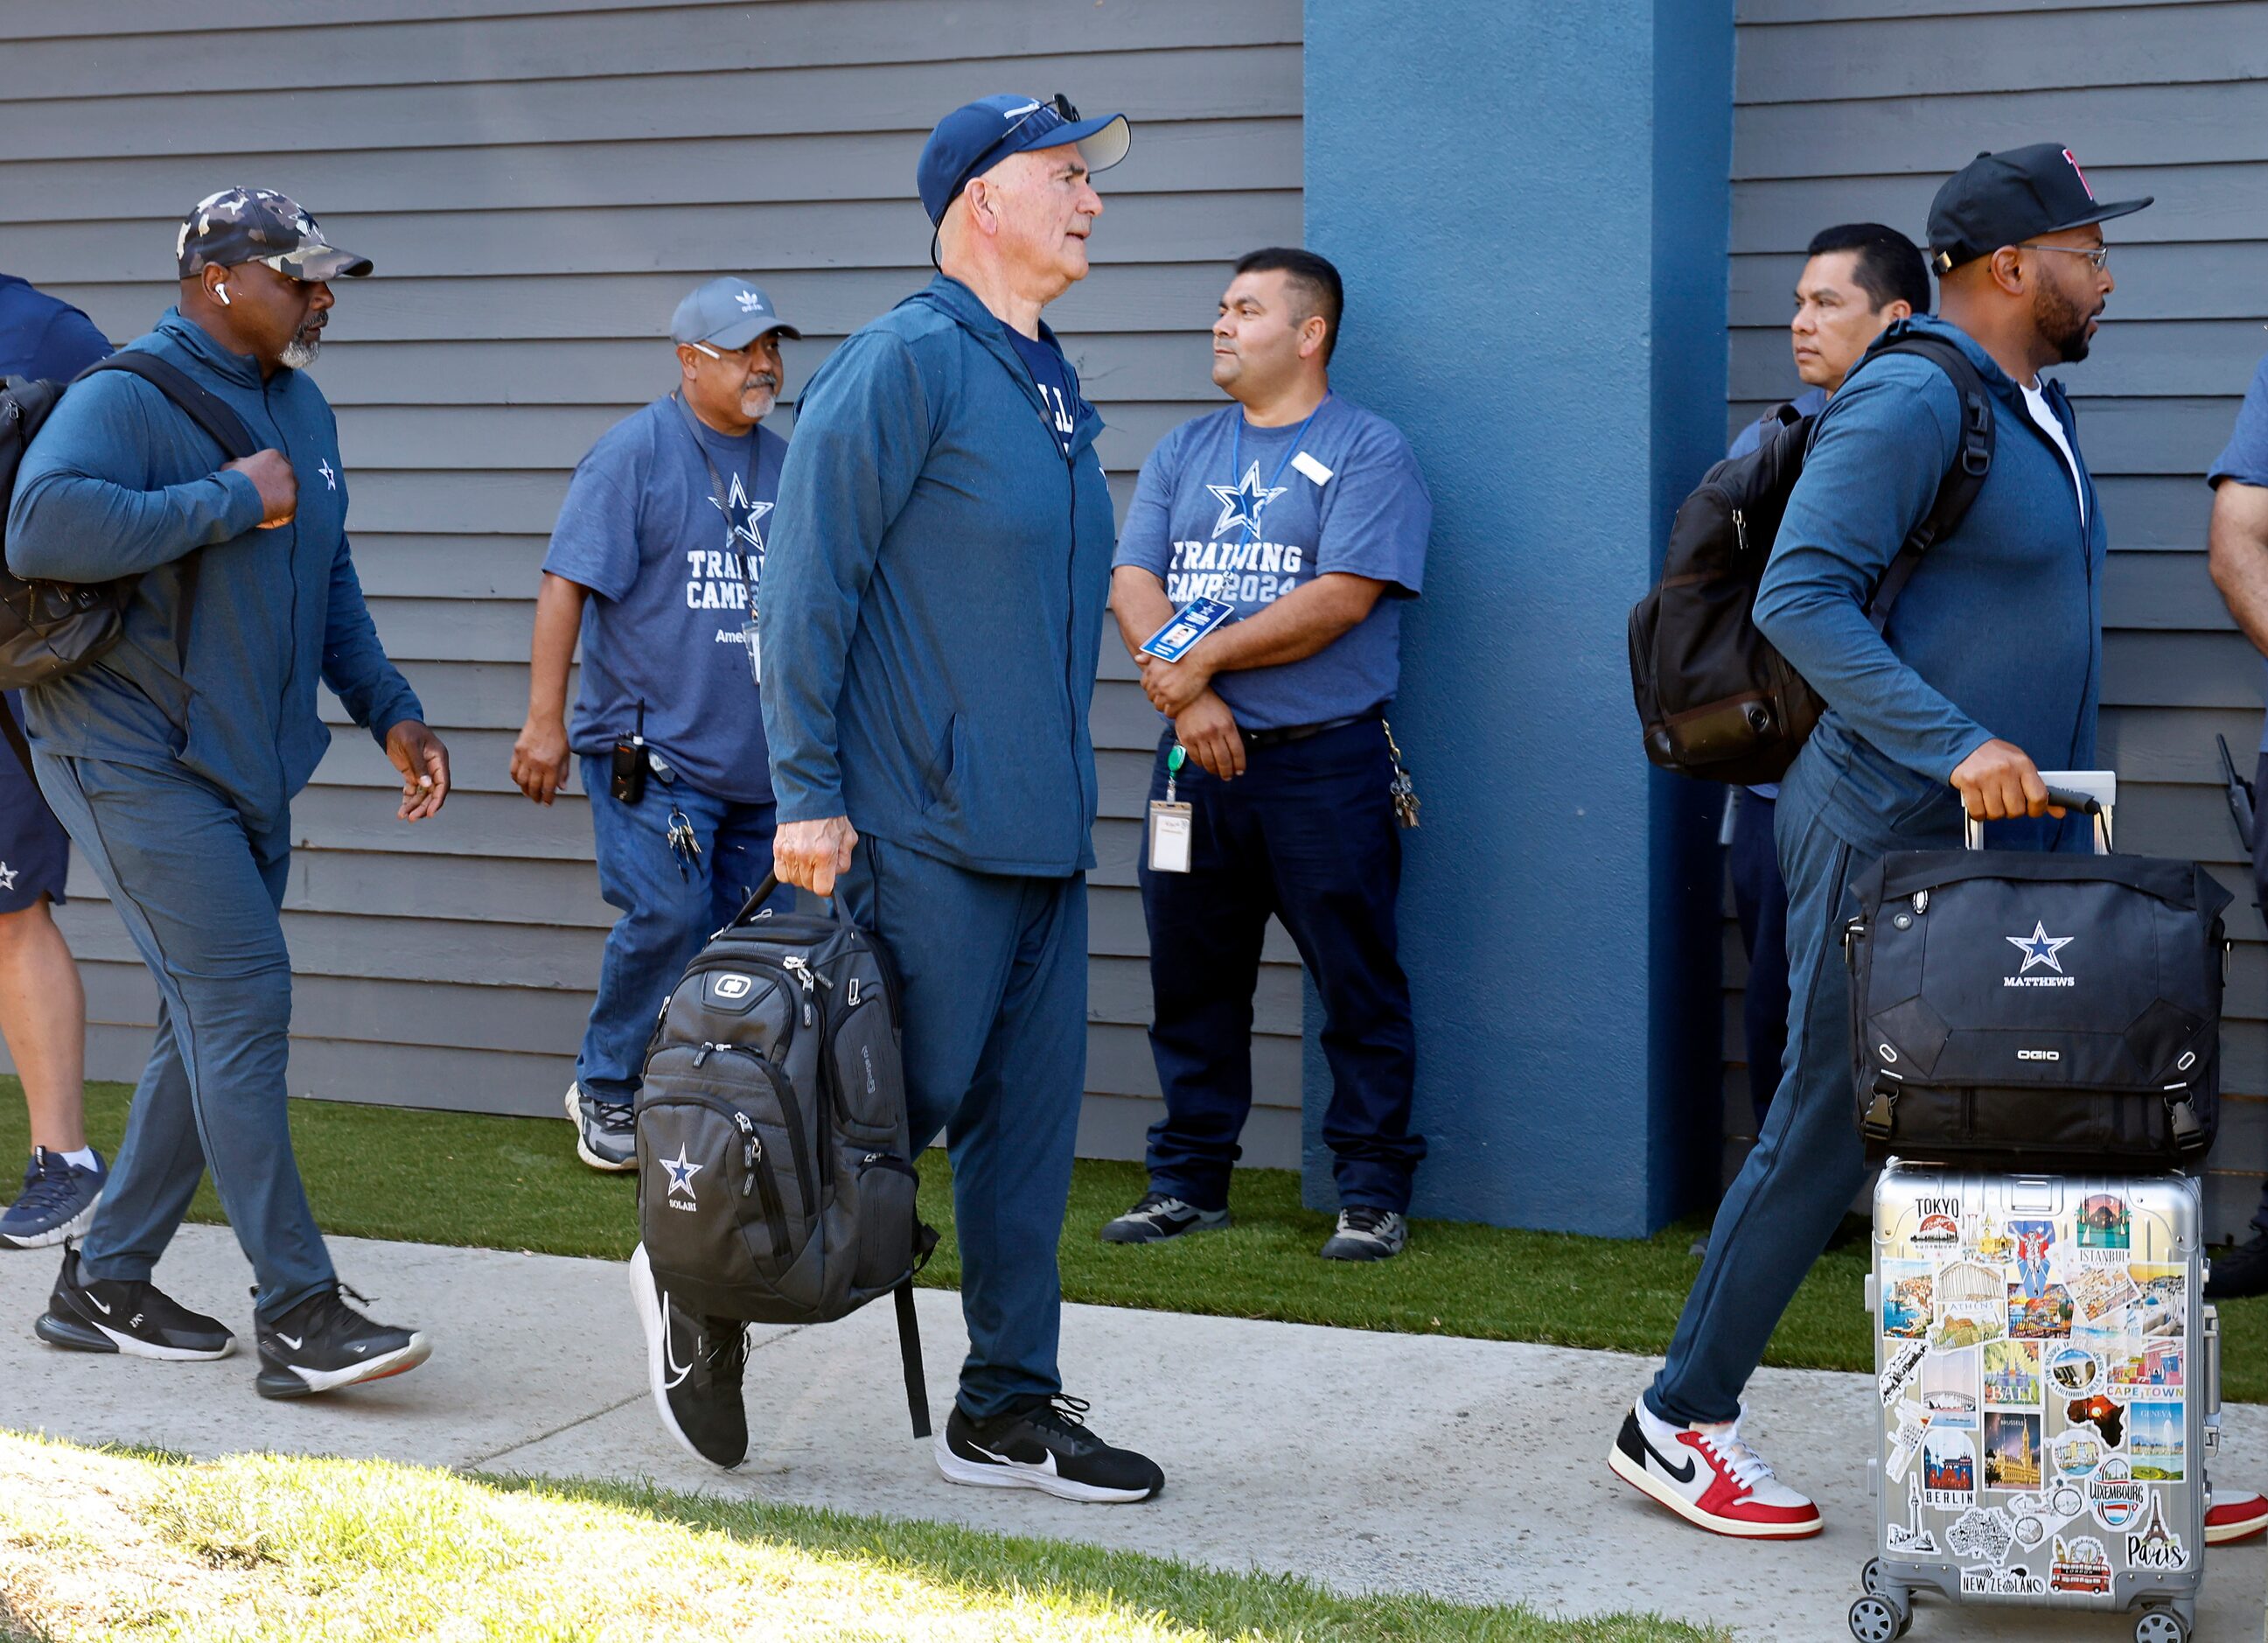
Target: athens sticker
x=1972 y=1303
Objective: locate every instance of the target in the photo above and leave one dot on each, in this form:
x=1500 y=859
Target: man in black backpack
x=1988 y=666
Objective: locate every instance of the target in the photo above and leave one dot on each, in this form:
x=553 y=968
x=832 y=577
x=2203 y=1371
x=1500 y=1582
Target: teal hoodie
x=933 y=596
x=119 y=481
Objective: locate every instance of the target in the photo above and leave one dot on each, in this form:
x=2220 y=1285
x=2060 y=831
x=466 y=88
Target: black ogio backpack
x=1715 y=699
x=776 y=1179
x=51 y=628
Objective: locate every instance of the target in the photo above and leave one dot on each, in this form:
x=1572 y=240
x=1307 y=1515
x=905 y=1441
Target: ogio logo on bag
x=733 y=986
x=2039 y=948
x=2039 y=1055
x=866 y=1060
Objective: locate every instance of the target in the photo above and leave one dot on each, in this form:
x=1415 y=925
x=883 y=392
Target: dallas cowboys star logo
x=740 y=516
x=681 y=1171
x=2040 y=948
x=7 y=877
x=330 y=475
x=1240 y=503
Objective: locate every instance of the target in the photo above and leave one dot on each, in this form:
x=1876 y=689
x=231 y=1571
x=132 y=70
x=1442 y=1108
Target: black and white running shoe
x=606 y=1131
x=1159 y=1216
x=1044 y=1445
x=131 y=1316
x=695 y=1365
x=323 y=1343
x=1366 y=1233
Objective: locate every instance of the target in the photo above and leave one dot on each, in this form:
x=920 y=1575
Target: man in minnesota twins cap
x=2008 y=198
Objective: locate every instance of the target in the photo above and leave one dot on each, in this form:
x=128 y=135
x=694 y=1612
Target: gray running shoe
x=606 y=1131
x=1158 y=1218
x=1366 y=1233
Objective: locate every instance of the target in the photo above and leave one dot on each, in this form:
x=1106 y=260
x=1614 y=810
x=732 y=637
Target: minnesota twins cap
x=260 y=226
x=978 y=135
x=727 y=313
x=2003 y=199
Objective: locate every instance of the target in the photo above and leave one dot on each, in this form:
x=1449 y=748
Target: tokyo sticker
x=2157 y=1442
x=1972 y=1302
x=1937 y=1224
x=1906 y=1298
x=1949 y=1470
x=2012 y=1374
x=2012 y=1451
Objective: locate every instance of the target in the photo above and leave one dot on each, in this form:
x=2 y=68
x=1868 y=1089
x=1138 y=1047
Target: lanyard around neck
x=724 y=497
x=1236 y=461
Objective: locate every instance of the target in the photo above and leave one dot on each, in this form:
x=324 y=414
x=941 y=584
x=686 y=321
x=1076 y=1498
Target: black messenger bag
x=2036 y=1011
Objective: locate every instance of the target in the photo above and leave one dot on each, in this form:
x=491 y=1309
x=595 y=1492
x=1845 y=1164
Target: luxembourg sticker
x=2114 y=1497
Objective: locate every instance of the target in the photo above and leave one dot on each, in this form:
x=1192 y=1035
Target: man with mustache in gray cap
x=654 y=565
x=172 y=761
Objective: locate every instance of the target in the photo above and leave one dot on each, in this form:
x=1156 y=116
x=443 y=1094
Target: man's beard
x=300 y=351
x=2060 y=322
x=757 y=399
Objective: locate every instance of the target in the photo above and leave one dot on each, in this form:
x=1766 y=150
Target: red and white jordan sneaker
x=2233 y=1517
x=1708 y=1476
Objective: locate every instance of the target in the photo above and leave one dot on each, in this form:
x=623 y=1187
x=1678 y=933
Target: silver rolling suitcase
x=2050 y=1384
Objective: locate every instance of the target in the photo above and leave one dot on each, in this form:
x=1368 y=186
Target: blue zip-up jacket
x=119 y=481
x=1999 y=632
x=933 y=598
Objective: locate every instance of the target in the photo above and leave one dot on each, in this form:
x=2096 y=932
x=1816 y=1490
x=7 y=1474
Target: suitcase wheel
x=2161 y=1626
x=1878 y=1620
x=1870 y=1578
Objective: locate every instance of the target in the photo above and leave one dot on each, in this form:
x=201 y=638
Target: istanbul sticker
x=2034 y=1240
x=1949 y=1470
x=2081 y=1566
x=2113 y=1495
x=1906 y=1287
x=2099 y=1291
x=1972 y=1303
x=2012 y=1451
x=2157 y=1442
x=2161 y=1309
x=2102 y=1222
x=1984 y=1535
x=2043 y=1317
x=2012 y=1374
x=2074 y=1370
x=1900 y=1369
x=1949 y=1390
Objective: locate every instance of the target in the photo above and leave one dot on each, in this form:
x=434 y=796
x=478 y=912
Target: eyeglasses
x=2099 y=255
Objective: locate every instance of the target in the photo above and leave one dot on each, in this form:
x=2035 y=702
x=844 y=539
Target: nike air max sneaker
x=695 y=1366
x=1044 y=1445
x=323 y=1343
x=1708 y=1476
x=1159 y=1216
x=131 y=1316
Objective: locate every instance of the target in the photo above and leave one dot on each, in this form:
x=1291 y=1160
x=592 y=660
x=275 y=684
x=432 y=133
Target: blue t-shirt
x=44 y=336
x=669 y=556
x=1241 y=514
x=2245 y=460
x=1052 y=374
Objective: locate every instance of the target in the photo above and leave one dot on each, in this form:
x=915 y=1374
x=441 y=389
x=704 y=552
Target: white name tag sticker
x=1312 y=468
x=1169 y=838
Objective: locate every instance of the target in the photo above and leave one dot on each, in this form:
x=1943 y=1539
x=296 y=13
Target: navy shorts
x=35 y=852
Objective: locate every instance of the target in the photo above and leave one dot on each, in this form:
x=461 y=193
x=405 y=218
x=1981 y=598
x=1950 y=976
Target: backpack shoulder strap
x=199 y=403
x=1971 y=463
x=909 y=1355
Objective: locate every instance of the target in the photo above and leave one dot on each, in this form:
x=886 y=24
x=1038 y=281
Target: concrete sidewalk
x=1471 y=1470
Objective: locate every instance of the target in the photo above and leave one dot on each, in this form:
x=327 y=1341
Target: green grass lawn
x=120 y=1544
x=514 y=1183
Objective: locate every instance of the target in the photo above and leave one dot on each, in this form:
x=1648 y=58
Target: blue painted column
x=1528 y=201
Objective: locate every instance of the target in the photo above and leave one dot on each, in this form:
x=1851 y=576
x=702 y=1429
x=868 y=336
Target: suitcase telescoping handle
x=2064 y=797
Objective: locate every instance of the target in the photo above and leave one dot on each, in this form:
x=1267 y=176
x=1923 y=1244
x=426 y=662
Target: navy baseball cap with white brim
x=977 y=137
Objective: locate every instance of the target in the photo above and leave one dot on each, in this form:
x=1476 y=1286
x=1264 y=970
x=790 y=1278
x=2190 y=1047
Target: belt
x=1300 y=733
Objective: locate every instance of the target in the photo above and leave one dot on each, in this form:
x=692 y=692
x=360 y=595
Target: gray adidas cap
x=728 y=313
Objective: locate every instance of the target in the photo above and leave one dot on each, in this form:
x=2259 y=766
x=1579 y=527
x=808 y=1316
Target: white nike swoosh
x=1047 y=1466
x=97 y=1305
x=290 y=1341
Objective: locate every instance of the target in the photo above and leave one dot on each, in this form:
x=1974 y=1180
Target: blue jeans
x=669 y=907
x=994 y=973
x=199 y=894
x=1760 y=902
x=1307 y=833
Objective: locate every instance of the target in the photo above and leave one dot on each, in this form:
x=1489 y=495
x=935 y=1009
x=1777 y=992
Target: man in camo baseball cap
x=239 y=226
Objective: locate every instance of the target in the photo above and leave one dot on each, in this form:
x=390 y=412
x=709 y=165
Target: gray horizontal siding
x=1851 y=110
x=539 y=184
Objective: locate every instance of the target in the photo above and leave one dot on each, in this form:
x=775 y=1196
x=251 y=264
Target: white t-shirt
x=2049 y=424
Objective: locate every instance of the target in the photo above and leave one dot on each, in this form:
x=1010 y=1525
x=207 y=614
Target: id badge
x=755 y=652
x=1192 y=622
x=1170 y=836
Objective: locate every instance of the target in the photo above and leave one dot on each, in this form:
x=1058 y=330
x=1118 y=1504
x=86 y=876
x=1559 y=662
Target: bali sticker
x=1984 y=1535
x=2016 y=1583
x=2096 y=1292
x=2150 y=1373
x=1949 y=1390
x=2077 y=1452
x=2103 y=1222
x=1905 y=1441
x=1992 y=1245
x=2043 y=1317
x=1971 y=1302
x=2156 y=1443
x=1949 y=1470
x=1938 y=1223
x=2012 y=1374
x=1900 y=1369
x=1906 y=1298
x=2114 y=1497
x=2156 y=1547
x=2108 y=1418
x=2161 y=1312
x=2034 y=1239
x=2074 y=1370
x=1910 y=1536
x=2081 y=1566
x=2012 y=1451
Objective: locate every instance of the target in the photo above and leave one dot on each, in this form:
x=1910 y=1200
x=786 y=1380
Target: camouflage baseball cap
x=260 y=226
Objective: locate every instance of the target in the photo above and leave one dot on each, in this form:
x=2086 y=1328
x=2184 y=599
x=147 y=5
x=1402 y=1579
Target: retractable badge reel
x=1169 y=822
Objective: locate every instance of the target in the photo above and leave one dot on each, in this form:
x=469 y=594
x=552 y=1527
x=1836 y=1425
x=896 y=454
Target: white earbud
x=221 y=292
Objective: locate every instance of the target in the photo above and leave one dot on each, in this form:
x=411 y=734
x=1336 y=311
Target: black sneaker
x=606 y=1131
x=1159 y=1216
x=2243 y=1270
x=693 y=1365
x=133 y=1317
x=323 y=1343
x=1366 y=1233
x=1044 y=1446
